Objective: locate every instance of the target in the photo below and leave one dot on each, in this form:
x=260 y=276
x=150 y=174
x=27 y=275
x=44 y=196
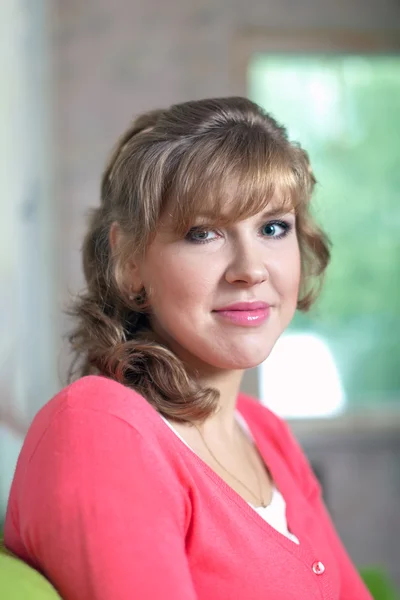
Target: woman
x=151 y=476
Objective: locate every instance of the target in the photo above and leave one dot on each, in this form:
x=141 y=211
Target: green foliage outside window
x=345 y=111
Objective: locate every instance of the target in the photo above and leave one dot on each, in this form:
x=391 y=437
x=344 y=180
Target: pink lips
x=248 y=314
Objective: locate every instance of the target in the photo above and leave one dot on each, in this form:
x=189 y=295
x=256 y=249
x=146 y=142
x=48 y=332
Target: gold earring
x=139 y=300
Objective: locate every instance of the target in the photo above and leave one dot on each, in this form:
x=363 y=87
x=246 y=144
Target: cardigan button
x=318 y=567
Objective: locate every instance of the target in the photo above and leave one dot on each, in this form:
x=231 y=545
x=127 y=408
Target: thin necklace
x=259 y=498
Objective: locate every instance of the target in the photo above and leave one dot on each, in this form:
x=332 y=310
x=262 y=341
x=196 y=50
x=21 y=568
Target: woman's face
x=190 y=281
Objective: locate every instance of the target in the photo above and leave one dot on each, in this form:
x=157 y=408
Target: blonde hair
x=199 y=156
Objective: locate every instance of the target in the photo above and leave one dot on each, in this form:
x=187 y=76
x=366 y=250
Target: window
x=345 y=111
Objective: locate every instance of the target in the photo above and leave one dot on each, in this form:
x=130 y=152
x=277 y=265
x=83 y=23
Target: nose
x=248 y=266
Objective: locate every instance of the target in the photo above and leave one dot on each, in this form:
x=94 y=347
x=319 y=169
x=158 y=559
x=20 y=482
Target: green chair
x=379 y=584
x=19 y=581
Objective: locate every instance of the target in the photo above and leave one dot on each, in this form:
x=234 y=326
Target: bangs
x=225 y=181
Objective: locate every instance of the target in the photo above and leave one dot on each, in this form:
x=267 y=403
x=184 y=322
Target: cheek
x=288 y=273
x=178 y=282
x=296 y=276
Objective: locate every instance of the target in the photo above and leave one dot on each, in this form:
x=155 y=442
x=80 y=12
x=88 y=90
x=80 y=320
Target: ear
x=131 y=268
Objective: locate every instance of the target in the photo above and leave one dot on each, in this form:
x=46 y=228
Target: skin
x=186 y=281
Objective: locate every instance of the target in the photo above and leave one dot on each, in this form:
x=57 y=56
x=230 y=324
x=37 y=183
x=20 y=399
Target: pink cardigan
x=110 y=505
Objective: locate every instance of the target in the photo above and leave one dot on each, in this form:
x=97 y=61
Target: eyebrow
x=275 y=212
x=268 y=214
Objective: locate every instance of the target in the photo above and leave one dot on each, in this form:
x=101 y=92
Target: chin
x=247 y=363
x=240 y=360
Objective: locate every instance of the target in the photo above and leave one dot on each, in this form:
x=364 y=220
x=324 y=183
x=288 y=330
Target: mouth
x=245 y=314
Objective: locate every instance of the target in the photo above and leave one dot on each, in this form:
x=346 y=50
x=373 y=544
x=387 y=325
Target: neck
x=227 y=382
x=222 y=422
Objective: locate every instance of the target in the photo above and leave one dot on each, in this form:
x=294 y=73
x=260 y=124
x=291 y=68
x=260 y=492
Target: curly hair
x=196 y=156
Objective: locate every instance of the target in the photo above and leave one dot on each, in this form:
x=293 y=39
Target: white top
x=275 y=512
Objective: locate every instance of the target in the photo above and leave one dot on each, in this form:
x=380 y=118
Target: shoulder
x=95 y=431
x=89 y=406
x=100 y=394
x=96 y=444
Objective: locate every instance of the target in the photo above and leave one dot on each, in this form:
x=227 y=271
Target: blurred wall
x=28 y=374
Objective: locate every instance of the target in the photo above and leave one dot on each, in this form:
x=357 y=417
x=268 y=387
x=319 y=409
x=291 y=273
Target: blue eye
x=276 y=229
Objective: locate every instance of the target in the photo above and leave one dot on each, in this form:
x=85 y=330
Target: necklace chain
x=259 y=498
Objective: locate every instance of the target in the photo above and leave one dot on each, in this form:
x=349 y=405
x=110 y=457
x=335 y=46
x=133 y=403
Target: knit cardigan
x=109 y=504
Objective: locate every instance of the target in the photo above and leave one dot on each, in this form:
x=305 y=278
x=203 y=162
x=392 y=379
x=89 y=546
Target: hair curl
x=223 y=152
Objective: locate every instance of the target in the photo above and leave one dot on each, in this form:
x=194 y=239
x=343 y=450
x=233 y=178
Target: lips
x=245 y=314
x=244 y=306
